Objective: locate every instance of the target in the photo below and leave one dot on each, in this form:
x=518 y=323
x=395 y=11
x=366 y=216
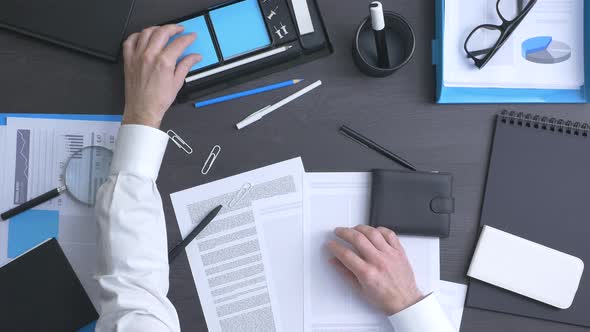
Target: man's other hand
x=152 y=76
x=375 y=263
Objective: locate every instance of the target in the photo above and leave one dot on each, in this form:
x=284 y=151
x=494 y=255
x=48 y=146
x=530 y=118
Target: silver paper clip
x=179 y=142
x=211 y=159
x=240 y=195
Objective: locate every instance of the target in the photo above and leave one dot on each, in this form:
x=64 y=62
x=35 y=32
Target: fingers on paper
x=375 y=236
x=344 y=272
x=391 y=238
x=347 y=257
x=357 y=240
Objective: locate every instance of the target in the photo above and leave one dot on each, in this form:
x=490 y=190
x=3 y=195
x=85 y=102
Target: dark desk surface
x=397 y=111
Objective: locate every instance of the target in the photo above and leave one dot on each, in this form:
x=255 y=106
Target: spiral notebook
x=538 y=188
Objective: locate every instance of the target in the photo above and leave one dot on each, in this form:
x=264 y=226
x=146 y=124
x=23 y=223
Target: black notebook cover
x=39 y=291
x=538 y=188
x=93 y=27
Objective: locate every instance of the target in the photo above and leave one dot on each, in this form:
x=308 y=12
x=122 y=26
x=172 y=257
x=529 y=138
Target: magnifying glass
x=86 y=170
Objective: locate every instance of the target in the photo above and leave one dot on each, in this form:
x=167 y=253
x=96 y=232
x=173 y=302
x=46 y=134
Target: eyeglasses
x=485 y=40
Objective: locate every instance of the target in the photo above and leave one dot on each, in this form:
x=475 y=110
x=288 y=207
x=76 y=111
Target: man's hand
x=152 y=77
x=378 y=266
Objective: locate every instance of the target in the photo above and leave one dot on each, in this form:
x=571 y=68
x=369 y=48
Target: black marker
x=362 y=140
x=193 y=234
x=32 y=203
x=378 y=25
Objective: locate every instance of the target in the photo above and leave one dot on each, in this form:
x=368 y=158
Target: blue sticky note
x=31 y=228
x=203 y=45
x=88 y=328
x=239 y=28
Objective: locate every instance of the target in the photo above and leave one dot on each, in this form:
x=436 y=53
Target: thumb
x=184 y=67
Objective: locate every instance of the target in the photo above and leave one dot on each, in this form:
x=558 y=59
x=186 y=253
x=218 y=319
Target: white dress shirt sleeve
x=132 y=242
x=424 y=316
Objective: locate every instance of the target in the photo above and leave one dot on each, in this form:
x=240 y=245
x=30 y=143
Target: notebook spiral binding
x=536 y=121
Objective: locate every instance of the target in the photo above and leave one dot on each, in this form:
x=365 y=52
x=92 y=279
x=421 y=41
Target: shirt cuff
x=139 y=151
x=424 y=316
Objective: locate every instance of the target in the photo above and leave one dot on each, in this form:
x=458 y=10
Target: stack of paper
x=35 y=151
x=518 y=64
x=262 y=264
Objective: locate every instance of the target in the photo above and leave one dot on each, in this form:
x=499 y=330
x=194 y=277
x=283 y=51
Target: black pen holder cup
x=401 y=43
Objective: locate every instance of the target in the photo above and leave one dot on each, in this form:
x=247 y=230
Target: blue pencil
x=246 y=93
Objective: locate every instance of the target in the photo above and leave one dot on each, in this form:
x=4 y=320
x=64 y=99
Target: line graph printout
x=41 y=149
x=37 y=152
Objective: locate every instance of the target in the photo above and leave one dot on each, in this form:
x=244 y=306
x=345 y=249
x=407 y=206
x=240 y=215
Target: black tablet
x=92 y=27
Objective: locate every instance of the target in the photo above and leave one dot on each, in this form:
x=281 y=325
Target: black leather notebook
x=39 y=291
x=538 y=188
x=92 y=27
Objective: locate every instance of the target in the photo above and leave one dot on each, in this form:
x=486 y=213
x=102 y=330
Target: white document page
x=343 y=199
x=229 y=266
x=280 y=220
x=452 y=299
x=37 y=151
x=563 y=20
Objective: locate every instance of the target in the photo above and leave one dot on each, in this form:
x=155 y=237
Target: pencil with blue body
x=246 y=93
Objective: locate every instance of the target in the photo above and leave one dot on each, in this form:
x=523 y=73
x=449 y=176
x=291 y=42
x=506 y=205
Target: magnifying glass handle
x=32 y=203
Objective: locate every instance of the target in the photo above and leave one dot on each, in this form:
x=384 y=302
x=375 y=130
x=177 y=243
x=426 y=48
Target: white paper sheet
x=230 y=269
x=452 y=299
x=280 y=220
x=342 y=199
x=561 y=19
x=37 y=151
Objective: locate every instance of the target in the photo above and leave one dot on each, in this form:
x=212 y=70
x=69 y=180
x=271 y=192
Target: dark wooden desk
x=398 y=111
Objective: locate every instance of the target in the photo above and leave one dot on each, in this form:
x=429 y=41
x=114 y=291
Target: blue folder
x=459 y=95
x=86 y=117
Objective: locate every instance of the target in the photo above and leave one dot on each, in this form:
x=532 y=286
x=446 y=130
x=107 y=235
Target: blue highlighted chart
x=545 y=50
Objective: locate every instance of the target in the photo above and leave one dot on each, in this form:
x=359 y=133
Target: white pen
x=270 y=108
x=238 y=63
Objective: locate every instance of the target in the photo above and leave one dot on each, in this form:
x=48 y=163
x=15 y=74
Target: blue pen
x=246 y=93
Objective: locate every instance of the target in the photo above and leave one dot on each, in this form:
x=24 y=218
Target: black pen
x=378 y=25
x=182 y=245
x=350 y=133
x=32 y=203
